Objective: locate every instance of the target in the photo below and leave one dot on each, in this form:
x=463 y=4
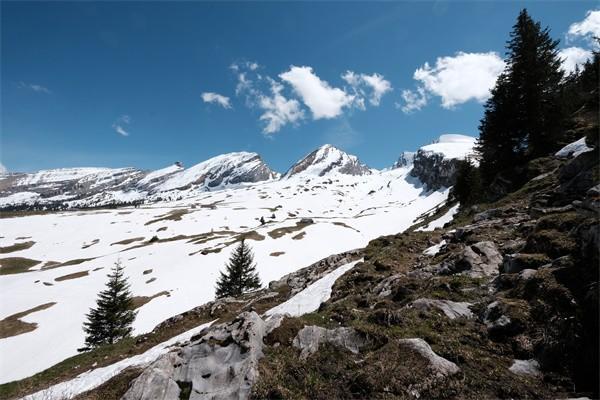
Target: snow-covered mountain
x=222 y=170
x=175 y=245
x=94 y=187
x=328 y=159
x=435 y=164
x=405 y=159
x=66 y=188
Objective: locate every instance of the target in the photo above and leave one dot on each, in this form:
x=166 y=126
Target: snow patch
x=311 y=298
x=574 y=149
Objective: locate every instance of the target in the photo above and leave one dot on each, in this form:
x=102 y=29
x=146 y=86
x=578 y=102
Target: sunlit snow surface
x=302 y=303
x=452 y=146
x=348 y=211
x=311 y=298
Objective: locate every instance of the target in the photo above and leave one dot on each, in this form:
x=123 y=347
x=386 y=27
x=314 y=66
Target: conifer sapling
x=113 y=316
x=240 y=275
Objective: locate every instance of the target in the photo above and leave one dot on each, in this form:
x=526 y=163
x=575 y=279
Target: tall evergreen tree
x=240 y=275
x=524 y=117
x=111 y=320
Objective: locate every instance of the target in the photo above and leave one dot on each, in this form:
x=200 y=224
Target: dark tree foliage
x=240 y=275
x=468 y=189
x=524 y=118
x=111 y=320
x=580 y=99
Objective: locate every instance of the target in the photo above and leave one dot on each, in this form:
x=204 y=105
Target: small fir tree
x=111 y=320
x=240 y=275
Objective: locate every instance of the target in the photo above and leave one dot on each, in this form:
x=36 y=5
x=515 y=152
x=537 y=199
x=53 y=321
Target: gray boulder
x=220 y=364
x=451 y=309
x=310 y=338
x=438 y=365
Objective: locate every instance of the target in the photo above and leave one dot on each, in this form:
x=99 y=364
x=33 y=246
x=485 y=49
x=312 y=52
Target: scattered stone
x=451 y=309
x=481 y=259
x=310 y=337
x=439 y=365
x=514 y=263
x=525 y=367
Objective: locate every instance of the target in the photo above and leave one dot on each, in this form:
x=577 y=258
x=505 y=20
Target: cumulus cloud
x=455 y=79
x=211 y=97
x=572 y=57
x=414 y=100
x=372 y=86
x=588 y=28
x=278 y=110
x=323 y=100
x=34 y=87
x=120 y=124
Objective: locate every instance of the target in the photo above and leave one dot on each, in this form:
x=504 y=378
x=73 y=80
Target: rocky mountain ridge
x=69 y=188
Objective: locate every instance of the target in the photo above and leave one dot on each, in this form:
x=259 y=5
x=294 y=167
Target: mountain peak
x=328 y=159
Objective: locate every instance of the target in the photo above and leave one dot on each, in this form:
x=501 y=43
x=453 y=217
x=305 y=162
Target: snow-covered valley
x=174 y=243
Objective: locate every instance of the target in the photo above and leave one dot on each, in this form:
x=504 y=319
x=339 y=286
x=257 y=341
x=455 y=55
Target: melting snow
x=441 y=221
x=311 y=298
x=573 y=149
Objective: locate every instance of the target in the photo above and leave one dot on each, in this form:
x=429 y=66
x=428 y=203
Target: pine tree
x=468 y=189
x=240 y=275
x=523 y=118
x=111 y=320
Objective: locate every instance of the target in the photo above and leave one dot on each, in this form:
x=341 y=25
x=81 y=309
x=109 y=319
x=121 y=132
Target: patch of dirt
x=299 y=236
x=13 y=326
x=345 y=225
x=93 y=242
x=147 y=271
x=279 y=232
x=74 y=275
x=16 y=265
x=16 y=247
x=150 y=280
x=173 y=215
x=163 y=228
x=277 y=253
x=139 y=301
x=128 y=241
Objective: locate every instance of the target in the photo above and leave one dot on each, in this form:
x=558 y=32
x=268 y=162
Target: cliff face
x=434 y=170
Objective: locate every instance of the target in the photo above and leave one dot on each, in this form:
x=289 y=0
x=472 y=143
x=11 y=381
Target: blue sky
x=146 y=84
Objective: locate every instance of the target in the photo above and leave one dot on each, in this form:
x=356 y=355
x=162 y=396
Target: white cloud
x=3 y=169
x=572 y=57
x=323 y=100
x=375 y=83
x=456 y=80
x=279 y=111
x=210 y=97
x=120 y=123
x=588 y=28
x=34 y=87
x=414 y=100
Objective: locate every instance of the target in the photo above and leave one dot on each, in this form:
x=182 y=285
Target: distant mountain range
x=94 y=187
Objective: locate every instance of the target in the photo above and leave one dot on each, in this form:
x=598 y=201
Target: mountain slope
x=328 y=159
